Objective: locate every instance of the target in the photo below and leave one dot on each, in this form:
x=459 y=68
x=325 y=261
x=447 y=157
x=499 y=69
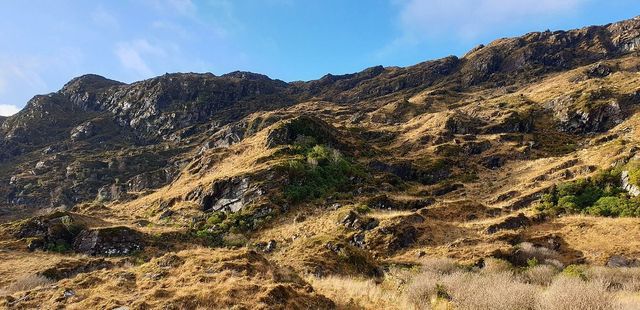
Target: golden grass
x=193 y=279
x=25 y=283
x=355 y=293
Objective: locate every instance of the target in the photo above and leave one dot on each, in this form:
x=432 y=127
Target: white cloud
x=467 y=19
x=8 y=109
x=132 y=56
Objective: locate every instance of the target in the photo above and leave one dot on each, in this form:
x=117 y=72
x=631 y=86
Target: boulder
x=357 y=222
x=598 y=70
x=111 y=241
x=152 y=179
x=618 y=261
x=230 y=194
x=83 y=131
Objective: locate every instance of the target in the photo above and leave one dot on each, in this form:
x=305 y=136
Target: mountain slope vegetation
x=515 y=163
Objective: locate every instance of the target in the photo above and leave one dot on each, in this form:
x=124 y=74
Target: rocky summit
x=516 y=162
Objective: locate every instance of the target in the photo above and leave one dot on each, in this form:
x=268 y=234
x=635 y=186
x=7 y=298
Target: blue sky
x=43 y=44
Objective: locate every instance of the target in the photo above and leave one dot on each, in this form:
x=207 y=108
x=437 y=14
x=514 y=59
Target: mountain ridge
x=514 y=151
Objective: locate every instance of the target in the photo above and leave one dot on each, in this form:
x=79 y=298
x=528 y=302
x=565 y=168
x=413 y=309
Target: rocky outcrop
x=61 y=232
x=409 y=171
x=55 y=231
x=598 y=70
x=152 y=179
x=459 y=123
x=632 y=189
x=586 y=113
x=229 y=195
x=83 y=131
x=356 y=221
x=111 y=241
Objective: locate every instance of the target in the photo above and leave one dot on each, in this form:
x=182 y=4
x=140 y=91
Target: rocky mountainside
x=242 y=178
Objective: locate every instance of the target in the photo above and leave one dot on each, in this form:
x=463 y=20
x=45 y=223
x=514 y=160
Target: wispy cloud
x=132 y=56
x=8 y=109
x=421 y=21
x=22 y=70
x=468 y=19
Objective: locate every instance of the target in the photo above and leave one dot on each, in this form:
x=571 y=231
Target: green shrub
x=362 y=208
x=634 y=172
x=59 y=247
x=216 y=218
x=320 y=171
x=600 y=195
x=533 y=262
x=575 y=271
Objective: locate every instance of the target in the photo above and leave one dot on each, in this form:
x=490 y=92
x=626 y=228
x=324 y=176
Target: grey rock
x=111 y=241
x=630 y=188
x=621 y=261
x=83 y=131
x=228 y=195
x=271 y=246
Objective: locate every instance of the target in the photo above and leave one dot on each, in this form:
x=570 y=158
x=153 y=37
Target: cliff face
x=446 y=153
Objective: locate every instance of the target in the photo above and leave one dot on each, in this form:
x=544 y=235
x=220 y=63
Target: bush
x=320 y=172
x=235 y=240
x=440 y=266
x=441 y=282
x=216 y=217
x=489 y=291
x=600 y=195
x=540 y=274
x=615 y=279
x=568 y=293
x=634 y=172
x=494 y=265
x=575 y=271
x=423 y=289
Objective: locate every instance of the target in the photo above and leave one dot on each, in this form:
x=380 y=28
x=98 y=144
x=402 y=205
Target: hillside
x=191 y=190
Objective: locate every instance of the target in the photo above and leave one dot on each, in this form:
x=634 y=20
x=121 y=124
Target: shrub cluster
x=600 y=195
x=318 y=171
x=443 y=284
x=223 y=228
